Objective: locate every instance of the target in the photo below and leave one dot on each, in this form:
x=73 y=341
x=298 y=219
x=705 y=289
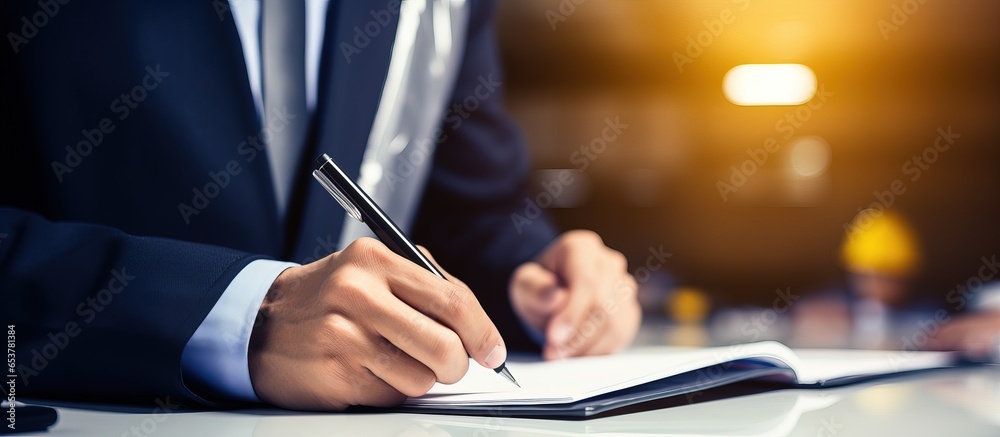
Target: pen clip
x=352 y=210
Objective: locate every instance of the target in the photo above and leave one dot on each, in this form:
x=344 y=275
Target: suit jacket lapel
x=185 y=38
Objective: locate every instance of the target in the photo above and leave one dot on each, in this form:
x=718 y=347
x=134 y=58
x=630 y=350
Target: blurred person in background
x=881 y=254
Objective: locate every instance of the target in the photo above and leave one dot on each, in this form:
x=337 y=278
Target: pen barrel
x=400 y=248
x=360 y=206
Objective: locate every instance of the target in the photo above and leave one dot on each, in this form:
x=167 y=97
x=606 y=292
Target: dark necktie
x=284 y=93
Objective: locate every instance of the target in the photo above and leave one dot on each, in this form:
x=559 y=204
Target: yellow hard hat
x=881 y=242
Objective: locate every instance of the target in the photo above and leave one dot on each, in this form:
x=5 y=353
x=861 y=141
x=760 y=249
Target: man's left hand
x=579 y=294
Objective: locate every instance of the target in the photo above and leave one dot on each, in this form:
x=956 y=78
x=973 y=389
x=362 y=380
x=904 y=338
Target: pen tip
x=506 y=374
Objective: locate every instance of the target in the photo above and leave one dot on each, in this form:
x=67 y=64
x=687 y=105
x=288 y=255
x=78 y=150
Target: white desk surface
x=955 y=402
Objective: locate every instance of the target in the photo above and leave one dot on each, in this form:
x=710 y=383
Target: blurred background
x=886 y=76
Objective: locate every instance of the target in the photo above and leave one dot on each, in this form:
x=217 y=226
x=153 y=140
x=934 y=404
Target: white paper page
x=574 y=379
x=819 y=365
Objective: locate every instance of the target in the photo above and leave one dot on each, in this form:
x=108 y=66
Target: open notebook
x=591 y=385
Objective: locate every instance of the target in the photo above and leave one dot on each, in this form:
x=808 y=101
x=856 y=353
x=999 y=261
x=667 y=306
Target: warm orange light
x=769 y=84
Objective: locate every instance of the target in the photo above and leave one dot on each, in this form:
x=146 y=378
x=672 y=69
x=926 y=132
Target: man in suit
x=160 y=236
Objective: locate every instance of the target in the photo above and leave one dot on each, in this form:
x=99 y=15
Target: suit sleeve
x=102 y=315
x=473 y=213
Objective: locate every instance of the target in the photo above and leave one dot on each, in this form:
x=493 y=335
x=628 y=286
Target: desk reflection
x=964 y=401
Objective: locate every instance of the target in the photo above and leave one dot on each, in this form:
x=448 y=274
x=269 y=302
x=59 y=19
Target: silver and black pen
x=361 y=207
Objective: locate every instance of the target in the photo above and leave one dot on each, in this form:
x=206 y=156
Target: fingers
x=536 y=287
x=619 y=332
x=573 y=327
x=533 y=277
x=378 y=393
x=456 y=307
x=365 y=326
x=405 y=374
x=435 y=347
x=450 y=303
x=316 y=364
x=592 y=320
x=590 y=271
x=535 y=294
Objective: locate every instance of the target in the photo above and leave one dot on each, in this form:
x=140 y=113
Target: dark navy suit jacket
x=114 y=113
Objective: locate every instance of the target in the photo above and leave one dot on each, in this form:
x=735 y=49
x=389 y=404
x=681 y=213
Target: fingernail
x=496 y=357
x=561 y=334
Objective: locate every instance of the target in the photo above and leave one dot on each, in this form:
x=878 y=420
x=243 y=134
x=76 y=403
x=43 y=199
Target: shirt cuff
x=215 y=358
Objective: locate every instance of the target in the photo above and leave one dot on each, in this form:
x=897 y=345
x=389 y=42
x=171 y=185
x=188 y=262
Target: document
x=590 y=385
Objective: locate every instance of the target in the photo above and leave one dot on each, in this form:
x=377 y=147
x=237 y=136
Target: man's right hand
x=365 y=326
